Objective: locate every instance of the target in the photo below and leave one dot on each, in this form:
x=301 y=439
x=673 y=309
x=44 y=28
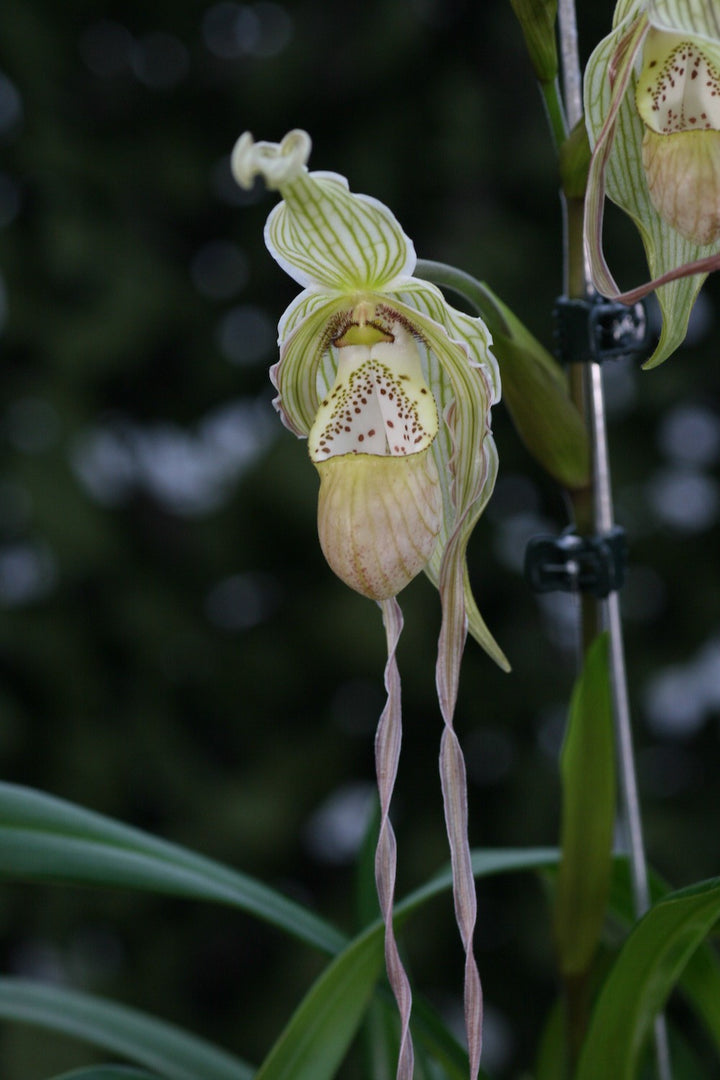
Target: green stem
x=470 y=288
x=554 y=112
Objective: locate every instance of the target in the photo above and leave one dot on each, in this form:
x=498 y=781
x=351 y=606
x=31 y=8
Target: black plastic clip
x=596 y=329
x=571 y=563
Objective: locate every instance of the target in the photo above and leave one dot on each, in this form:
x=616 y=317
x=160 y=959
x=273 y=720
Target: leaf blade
x=588 y=816
x=321 y=1029
x=43 y=838
x=649 y=965
x=107 y=1072
x=153 y=1043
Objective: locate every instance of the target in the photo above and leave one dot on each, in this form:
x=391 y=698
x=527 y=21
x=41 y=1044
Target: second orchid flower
x=652 y=101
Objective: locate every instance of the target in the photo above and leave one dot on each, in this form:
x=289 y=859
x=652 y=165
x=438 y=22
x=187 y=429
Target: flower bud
x=537 y=19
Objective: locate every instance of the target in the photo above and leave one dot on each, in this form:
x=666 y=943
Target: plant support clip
x=595 y=329
x=572 y=563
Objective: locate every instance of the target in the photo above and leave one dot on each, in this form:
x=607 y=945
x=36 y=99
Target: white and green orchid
x=652 y=108
x=392 y=387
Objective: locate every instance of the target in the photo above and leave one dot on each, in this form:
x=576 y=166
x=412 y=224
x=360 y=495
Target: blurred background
x=173 y=650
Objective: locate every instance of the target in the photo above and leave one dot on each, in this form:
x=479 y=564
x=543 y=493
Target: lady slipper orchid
x=652 y=99
x=392 y=388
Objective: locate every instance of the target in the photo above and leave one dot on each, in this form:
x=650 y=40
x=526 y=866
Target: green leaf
x=47 y=839
x=646 y=970
x=542 y=412
x=432 y=1033
x=587 y=768
x=537 y=19
x=320 y=1031
x=552 y=1055
x=700 y=981
x=43 y=838
x=574 y=162
x=107 y=1072
x=155 y=1044
x=322 y=1028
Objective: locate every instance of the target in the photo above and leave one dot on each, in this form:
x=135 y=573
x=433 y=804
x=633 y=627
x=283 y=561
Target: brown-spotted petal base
x=378 y=518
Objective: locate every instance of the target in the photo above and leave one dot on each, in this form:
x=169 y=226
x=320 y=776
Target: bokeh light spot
x=247 y=335
x=27 y=574
x=231 y=31
x=684 y=500
x=219 y=270
x=337 y=828
x=690 y=435
x=11 y=109
x=160 y=61
x=106 y=47
x=242 y=601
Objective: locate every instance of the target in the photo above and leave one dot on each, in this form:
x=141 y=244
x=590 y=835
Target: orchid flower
x=392 y=388
x=652 y=101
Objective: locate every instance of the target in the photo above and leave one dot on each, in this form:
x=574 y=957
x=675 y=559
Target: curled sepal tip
x=277 y=163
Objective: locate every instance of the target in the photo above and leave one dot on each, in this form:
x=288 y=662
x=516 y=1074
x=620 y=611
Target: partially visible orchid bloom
x=392 y=388
x=652 y=101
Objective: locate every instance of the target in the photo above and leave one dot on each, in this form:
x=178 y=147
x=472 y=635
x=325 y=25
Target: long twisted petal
x=387 y=754
x=454 y=788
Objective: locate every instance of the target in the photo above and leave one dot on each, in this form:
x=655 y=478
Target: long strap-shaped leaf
x=648 y=967
x=43 y=838
x=167 y=1049
x=107 y=1072
x=319 y=1033
x=316 y=1037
